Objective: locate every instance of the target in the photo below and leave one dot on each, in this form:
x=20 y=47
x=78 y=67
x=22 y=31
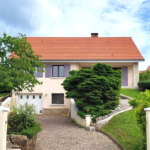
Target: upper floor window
x=58 y=71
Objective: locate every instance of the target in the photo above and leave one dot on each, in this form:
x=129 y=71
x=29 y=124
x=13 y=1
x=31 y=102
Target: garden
x=22 y=120
x=129 y=128
x=97 y=91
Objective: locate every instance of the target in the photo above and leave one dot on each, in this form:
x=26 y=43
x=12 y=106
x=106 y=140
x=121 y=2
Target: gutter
x=97 y=60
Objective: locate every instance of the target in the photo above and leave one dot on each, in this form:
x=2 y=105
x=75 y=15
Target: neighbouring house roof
x=148 y=68
x=85 y=48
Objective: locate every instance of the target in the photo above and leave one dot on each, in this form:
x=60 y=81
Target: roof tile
x=86 y=48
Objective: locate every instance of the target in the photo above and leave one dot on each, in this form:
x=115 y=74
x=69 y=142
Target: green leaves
x=17 y=71
x=99 y=86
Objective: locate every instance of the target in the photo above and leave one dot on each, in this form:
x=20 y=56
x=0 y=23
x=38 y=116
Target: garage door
x=31 y=99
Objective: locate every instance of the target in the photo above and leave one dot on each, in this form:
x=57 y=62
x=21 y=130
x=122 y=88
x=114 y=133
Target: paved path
x=59 y=133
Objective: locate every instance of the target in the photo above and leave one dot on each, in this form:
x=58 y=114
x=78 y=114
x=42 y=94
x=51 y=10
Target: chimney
x=94 y=34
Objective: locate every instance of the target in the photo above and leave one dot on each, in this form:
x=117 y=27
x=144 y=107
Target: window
x=27 y=96
x=58 y=71
x=57 y=98
x=33 y=96
x=39 y=96
x=86 y=67
x=116 y=68
x=21 y=97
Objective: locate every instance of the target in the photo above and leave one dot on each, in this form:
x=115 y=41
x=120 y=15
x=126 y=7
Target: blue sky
x=76 y=18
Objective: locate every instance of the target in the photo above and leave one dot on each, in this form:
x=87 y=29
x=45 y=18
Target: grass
x=125 y=130
x=3 y=94
x=134 y=93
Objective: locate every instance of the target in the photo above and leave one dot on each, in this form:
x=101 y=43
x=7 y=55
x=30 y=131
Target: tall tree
x=17 y=71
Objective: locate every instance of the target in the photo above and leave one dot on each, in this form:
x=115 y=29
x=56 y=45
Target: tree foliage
x=97 y=88
x=17 y=71
x=144 y=76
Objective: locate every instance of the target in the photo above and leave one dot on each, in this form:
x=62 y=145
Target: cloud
x=79 y=18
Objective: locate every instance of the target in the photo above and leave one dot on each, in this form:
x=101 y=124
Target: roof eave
x=94 y=60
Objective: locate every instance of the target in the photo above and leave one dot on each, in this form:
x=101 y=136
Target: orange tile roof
x=142 y=72
x=148 y=68
x=85 y=48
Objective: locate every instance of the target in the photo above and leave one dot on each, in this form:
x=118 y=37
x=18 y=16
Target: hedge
x=144 y=85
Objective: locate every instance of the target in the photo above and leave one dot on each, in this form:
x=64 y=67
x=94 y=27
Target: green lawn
x=124 y=127
x=134 y=93
x=125 y=130
x=3 y=94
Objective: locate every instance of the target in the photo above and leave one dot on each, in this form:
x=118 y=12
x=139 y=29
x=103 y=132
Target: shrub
x=31 y=131
x=27 y=115
x=133 y=102
x=143 y=85
x=144 y=76
x=23 y=119
x=97 y=89
x=142 y=102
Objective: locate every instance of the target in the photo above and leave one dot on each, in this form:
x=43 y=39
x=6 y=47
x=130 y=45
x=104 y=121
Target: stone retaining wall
x=55 y=111
x=22 y=142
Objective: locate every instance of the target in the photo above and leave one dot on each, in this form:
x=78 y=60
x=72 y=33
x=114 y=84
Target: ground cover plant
x=96 y=89
x=125 y=129
x=22 y=120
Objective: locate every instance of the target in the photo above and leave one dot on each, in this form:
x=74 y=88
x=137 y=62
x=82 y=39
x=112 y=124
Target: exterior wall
x=3 y=128
x=49 y=86
x=53 y=85
x=135 y=74
x=76 y=117
x=130 y=75
x=128 y=65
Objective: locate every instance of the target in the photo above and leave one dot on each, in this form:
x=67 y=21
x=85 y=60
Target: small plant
x=133 y=102
x=23 y=120
x=73 y=121
x=81 y=126
x=13 y=107
x=32 y=131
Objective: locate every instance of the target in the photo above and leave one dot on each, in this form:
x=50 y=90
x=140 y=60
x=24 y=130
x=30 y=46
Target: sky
x=79 y=18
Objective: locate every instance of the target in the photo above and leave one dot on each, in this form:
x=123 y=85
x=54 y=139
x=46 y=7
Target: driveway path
x=59 y=133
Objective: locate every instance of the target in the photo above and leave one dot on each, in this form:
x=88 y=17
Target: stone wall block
x=55 y=111
x=23 y=142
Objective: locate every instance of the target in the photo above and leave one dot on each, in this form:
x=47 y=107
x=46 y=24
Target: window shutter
x=48 y=71
x=124 y=76
x=35 y=73
x=67 y=69
x=39 y=74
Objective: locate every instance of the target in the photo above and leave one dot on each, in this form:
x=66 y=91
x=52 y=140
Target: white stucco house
x=62 y=54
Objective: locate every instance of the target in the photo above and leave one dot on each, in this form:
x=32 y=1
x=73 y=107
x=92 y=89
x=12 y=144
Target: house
x=148 y=68
x=62 y=54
